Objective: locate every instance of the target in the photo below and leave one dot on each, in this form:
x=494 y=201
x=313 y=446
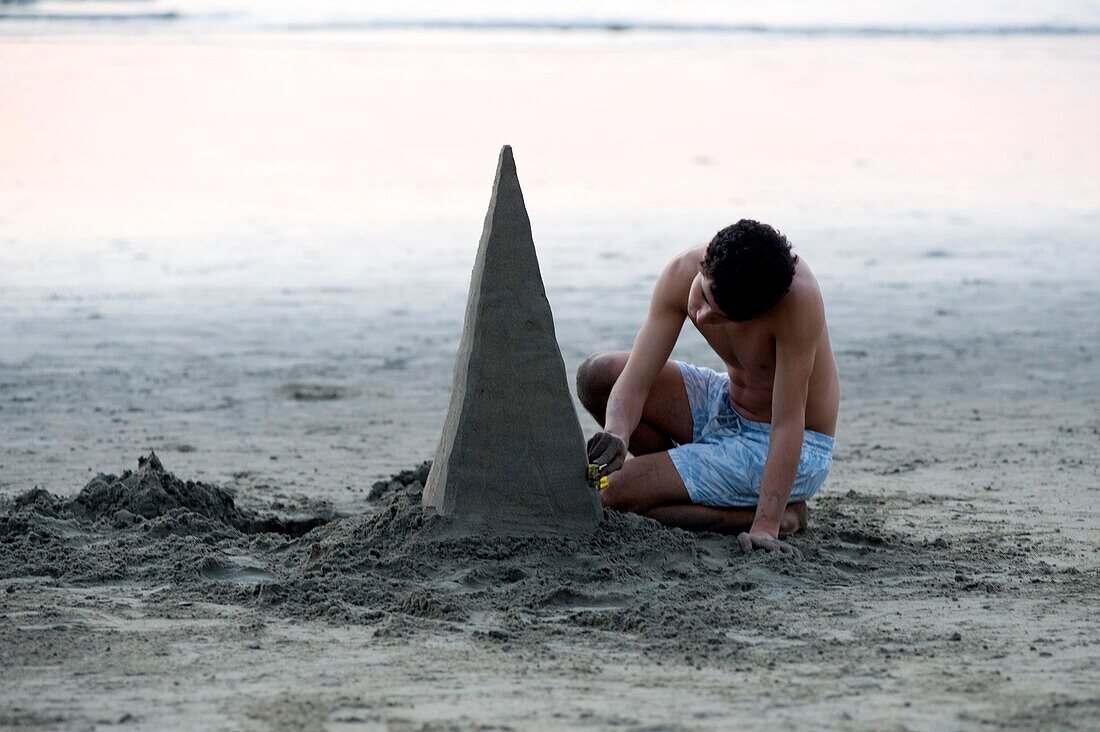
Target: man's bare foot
x=795 y=518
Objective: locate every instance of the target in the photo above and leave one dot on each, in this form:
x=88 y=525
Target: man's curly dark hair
x=750 y=267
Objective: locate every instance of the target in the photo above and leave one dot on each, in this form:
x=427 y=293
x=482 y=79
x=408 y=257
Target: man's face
x=701 y=305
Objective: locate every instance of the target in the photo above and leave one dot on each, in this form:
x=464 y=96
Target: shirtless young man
x=739 y=451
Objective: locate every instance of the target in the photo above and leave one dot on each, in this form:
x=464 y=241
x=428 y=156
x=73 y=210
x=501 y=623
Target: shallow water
x=849 y=17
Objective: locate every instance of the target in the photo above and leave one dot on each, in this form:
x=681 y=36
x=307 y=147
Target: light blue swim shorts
x=724 y=462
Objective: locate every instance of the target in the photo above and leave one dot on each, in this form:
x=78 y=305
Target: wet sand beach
x=258 y=272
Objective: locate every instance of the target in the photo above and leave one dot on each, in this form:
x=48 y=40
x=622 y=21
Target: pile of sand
x=145 y=524
x=151 y=492
x=394 y=569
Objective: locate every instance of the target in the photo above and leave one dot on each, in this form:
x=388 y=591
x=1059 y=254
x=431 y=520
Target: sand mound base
x=396 y=570
x=145 y=525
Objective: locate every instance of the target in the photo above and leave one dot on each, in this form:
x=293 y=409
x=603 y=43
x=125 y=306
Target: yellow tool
x=594 y=478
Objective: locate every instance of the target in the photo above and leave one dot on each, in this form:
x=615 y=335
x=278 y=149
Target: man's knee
x=595 y=377
x=618 y=497
x=620 y=501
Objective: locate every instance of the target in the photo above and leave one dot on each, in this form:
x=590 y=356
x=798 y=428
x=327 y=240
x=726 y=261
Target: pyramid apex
x=506 y=164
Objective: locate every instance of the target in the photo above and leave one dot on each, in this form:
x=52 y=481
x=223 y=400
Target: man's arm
x=795 y=349
x=652 y=347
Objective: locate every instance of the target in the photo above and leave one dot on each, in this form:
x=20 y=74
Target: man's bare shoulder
x=801 y=310
x=685 y=265
x=675 y=281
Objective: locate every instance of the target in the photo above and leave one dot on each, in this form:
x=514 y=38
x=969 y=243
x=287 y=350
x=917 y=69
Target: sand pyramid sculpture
x=511 y=459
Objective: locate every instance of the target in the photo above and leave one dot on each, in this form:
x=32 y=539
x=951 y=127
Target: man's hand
x=607 y=449
x=749 y=540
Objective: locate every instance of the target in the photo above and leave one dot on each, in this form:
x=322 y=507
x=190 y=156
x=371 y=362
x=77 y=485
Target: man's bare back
x=729 y=452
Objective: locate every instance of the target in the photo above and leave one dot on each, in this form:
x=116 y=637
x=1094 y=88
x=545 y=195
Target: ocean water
x=799 y=17
x=347 y=147
x=362 y=159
